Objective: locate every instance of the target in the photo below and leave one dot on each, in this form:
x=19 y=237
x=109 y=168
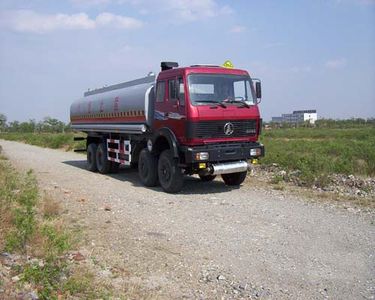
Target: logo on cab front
x=228 y=128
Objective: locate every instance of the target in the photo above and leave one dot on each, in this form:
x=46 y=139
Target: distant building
x=298 y=116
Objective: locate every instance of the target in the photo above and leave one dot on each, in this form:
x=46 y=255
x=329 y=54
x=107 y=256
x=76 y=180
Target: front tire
x=148 y=168
x=91 y=157
x=170 y=176
x=234 y=178
x=102 y=163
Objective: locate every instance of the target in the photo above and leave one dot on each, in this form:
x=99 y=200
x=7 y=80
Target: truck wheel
x=148 y=168
x=234 y=178
x=91 y=157
x=102 y=163
x=207 y=178
x=170 y=177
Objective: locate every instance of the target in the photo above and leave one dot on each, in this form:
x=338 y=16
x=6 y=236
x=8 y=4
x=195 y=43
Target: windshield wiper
x=221 y=104
x=213 y=102
x=243 y=102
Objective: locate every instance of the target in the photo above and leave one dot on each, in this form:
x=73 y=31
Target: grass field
x=47 y=140
x=314 y=152
x=34 y=234
x=318 y=152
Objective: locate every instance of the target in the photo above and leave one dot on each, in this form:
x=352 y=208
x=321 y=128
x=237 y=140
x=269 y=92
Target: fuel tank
x=126 y=107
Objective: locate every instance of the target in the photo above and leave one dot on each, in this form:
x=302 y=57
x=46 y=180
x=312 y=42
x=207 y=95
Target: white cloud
x=90 y=2
x=116 y=21
x=336 y=63
x=238 y=29
x=176 y=10
x=191 y=10
x=30 y=21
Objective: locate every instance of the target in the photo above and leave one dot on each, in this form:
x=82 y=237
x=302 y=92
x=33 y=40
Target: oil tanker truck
x=200 y=119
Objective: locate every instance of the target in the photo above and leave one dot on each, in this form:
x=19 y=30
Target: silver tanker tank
x=125 y=107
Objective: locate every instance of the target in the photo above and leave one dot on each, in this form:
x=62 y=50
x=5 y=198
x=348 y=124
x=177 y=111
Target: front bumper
x=223 y=152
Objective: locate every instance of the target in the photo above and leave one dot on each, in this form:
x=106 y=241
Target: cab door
x=176 y=107
x=160 y=113
x=170 y=108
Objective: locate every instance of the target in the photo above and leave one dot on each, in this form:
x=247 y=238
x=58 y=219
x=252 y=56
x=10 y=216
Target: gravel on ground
x=210 y=241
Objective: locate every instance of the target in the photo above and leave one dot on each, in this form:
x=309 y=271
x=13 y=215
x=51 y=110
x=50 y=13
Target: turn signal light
x=202 y=156
x=255 y=152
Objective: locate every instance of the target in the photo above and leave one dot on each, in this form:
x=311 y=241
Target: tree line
x=53 y=125
x=48 y=124
x=326 y=123
x=347 y=123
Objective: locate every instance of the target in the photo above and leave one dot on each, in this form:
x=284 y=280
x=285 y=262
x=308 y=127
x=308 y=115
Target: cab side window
x=181 y=91
x=172 y=89
x=160 y=91
x=176 y=90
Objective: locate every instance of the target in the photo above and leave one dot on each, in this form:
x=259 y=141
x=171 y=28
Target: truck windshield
x=220 y=88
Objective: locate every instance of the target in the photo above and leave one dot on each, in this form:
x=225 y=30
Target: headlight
x=202 y=156
x=255 y=152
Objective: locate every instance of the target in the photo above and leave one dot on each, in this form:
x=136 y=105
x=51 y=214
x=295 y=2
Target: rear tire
x=207 y=178
x=102 y=163
x=234 y=178
x=170 y=176
x=148 y=168
x=91 y=157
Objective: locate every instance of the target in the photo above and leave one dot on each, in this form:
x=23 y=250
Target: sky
x=309 y=54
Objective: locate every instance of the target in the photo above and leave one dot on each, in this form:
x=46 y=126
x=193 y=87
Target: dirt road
x=210 y=241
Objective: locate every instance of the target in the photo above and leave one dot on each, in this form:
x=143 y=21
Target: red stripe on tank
x=109 y=120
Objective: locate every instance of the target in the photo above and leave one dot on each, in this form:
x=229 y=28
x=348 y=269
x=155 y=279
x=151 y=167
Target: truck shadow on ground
x=193 y=185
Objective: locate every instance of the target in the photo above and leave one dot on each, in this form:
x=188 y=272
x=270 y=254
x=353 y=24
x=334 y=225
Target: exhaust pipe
x=227 y=168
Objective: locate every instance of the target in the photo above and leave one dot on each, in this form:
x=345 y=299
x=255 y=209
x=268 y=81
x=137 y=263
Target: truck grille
x=215 y=129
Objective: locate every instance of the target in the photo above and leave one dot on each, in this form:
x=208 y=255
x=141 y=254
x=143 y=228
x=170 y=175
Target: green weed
x=20 y=195
x=276 y=179
x=57 y=242
x=78 y=284
x=46 y=276
x=47 y=140
x=319 y=152
x=30 y=222
x=278 y=187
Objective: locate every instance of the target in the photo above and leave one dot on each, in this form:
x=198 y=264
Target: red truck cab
x=209 y=109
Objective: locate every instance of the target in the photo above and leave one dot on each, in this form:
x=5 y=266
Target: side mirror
x=258 y=89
